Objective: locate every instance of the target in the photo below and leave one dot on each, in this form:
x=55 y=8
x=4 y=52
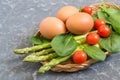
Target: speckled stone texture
x=19 y=19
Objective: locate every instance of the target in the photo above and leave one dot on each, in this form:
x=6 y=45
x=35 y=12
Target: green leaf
x=94 y=16
x=38 y=40
x=113 y=11
x=115 y=42
x=112 y=43
x=115 y=22
x=95 y=53
x=113 y=18
x=105 y=43
x=102 y=15
x=80 y=10
x=64 y=44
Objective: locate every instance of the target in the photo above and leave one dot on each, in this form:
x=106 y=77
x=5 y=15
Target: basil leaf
x=102 y=15
x=105 y=43
x=111 y=44
x=64 y=44
x=115 y=42
x=113 y=11
x=113 y=18
x=38 y=40
x=94 y=16
x=115 y=22
x=95 y=53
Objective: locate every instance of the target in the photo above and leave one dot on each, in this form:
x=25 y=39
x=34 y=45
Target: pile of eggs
x=68 y=18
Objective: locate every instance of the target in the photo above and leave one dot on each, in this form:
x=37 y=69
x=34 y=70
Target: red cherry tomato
x=98 y=23
x=104 y=31
x=92 y=38
x=79 y=57
x=87 y=9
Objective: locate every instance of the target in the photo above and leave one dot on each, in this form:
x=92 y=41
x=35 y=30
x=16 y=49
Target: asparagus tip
x=27 y=59
x=18 y=51
x=15 y=51
x=24 y=60
x=41 y=71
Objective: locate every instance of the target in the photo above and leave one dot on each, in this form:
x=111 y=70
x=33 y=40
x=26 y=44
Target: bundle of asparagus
x=44 y=52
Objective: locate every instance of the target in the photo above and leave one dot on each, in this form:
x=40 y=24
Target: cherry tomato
x=92 y=38
x=79 y=57
x=104 y=31
x=87 y=9
x=98 y=23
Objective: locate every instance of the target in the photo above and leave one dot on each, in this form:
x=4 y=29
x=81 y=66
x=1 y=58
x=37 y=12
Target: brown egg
x=51 y=26
x=80 y=23
x=65 y=12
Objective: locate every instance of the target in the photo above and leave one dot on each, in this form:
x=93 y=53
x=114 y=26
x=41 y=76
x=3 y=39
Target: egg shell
x=80 y=23
x=51 y=26
x=65 y=12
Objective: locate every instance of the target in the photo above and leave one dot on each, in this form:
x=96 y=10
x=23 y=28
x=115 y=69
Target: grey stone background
x=19 y=20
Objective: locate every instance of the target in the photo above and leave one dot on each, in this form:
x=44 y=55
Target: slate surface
x=19 y=20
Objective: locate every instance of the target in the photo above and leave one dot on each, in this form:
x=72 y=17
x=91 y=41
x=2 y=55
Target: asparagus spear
x=32 y=49
x=43 y=52
x=52 y=63
x=34 y=58
x=78 y=37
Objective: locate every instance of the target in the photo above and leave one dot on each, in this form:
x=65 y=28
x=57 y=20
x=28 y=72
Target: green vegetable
x=115 y=42
x=95 y=53
x=80 y=39
x=105 y=43
x=52 y=63
x=38 y=40
x=115 y=22
x=32 y=49
x=113 y=17
x=64 y=44
x=94 y=16
x=34 y=58
x=113 y=11
x=102 y=15
x=80 y=9
x=111 y=43
x=43 y=52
